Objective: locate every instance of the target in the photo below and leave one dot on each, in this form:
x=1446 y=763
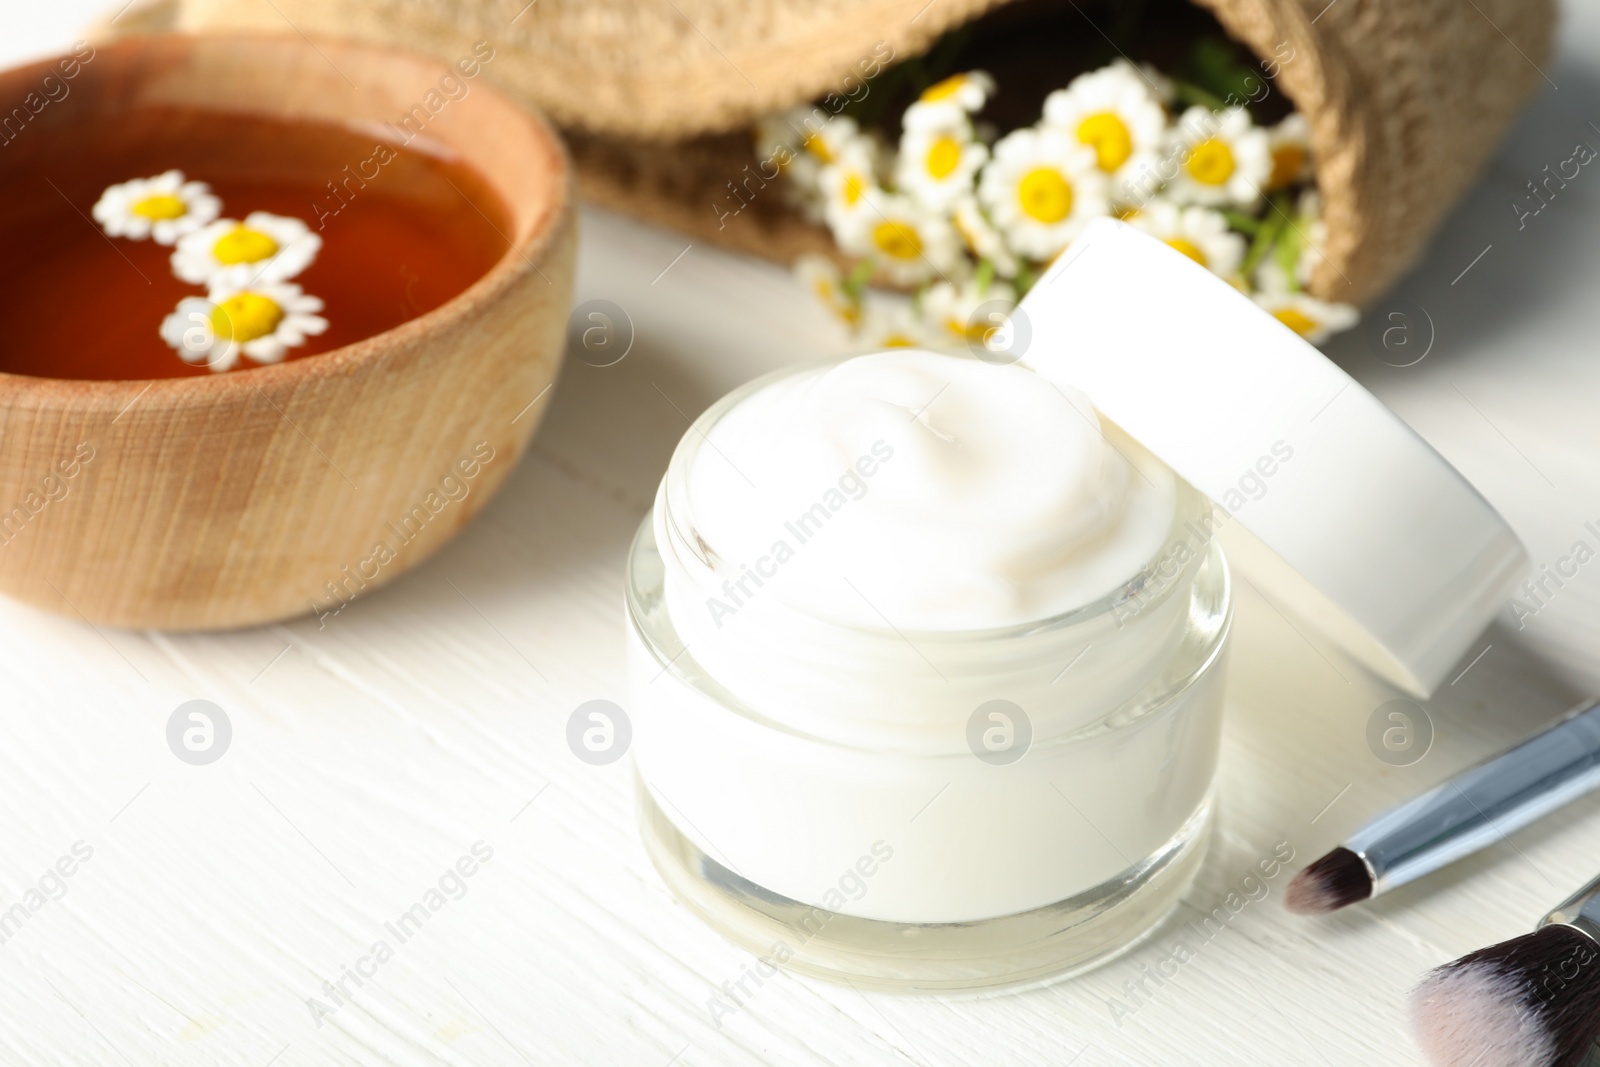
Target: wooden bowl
x=254 y=495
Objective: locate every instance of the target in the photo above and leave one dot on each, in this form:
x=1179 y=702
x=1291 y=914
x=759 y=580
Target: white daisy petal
x=1040 y=189
x=890 y=322
x=259 y=321
x=1200 y=233
x=1222 y=158
x=848 y=182
x=952 y=313
x=983 y=240
x=1315 y=320
x=1116 y=112
x=165 y=207
x=821 y=278
x=938 y=161
x=1289 y=143
x=969 y=91
x=905 y=241
x=263 y=248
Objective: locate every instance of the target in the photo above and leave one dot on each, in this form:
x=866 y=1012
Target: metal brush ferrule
x=1581 y=911
x=1482 y=805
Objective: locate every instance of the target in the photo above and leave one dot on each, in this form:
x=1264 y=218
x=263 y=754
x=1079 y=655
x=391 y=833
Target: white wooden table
x=370 y=755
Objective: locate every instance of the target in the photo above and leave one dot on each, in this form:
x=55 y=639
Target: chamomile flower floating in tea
x=1041 y=190
x=1224 y=158
x=165 y=207
x=262 y=248
x=1198 y=232
x=261 y=322
x=1116 y=112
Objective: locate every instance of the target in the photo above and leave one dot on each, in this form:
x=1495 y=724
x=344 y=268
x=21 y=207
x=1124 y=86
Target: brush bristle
x=1337 y=880
x=1530 y=1002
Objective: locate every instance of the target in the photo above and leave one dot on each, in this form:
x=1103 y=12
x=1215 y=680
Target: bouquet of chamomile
x=964 y=218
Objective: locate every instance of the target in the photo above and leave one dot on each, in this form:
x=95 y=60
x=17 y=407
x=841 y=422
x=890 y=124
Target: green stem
x=1243 y=223
x=1266 y=237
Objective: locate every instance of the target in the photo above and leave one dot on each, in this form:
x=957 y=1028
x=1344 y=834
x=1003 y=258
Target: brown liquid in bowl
x=75 y=303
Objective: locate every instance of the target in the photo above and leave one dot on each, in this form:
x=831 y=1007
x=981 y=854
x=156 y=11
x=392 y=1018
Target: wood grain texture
x=378 y=747
x=237 y=498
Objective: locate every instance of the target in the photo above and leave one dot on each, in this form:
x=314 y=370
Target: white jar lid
x=1375 y=540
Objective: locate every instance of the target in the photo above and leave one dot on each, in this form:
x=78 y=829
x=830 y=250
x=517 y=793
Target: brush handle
x=1482 y=805
x=1581 y=911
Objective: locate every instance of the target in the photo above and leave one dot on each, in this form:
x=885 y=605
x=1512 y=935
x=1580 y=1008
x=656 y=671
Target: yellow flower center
x=161 y=207
x=1288 y=160
x=1109 y=137
x=246 y=317
x=1211 y=162
x=1188 y=248
x=944 y=90
x=943 y=156
x=899 y=340
x=897 y=240
x=1297 y=321
x=817 y=147
x=243 y=245
x=1045 y=195
x=854 y=187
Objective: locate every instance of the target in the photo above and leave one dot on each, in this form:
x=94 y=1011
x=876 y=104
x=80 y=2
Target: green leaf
x=984 y=276
x=1217 y=66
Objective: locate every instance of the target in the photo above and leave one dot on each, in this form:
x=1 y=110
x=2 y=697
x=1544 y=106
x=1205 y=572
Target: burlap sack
x=1406 y=98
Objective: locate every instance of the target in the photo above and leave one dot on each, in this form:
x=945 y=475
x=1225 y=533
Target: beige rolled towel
x=1406 y=98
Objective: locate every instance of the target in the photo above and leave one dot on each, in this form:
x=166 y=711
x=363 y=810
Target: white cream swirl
x=924 y=492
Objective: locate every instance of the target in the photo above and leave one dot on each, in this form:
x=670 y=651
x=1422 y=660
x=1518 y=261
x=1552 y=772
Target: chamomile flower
x=1289 y=143
x=1223 y=158
x=1313 y=236
x=822 y=278
x=848 y=182
x=952 y=312
x=801 y=142
x=165 y=207
x=982 y=239
x=261 y=322
x=939 y=156
x=891 y=322
x=964 y=93
x=1198 y=232
x=262 y=248
x=906 y=241
x=1315 y=320
x=1041 y=188
x=1114 y=111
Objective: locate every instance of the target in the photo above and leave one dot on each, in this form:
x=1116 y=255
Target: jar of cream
x=926 y=651
x=927 y=673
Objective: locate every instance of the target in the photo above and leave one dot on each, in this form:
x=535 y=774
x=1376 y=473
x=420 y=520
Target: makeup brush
x=1474 y=809
x=1533 y=1001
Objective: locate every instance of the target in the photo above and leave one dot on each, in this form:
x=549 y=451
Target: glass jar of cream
x=926 y=667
